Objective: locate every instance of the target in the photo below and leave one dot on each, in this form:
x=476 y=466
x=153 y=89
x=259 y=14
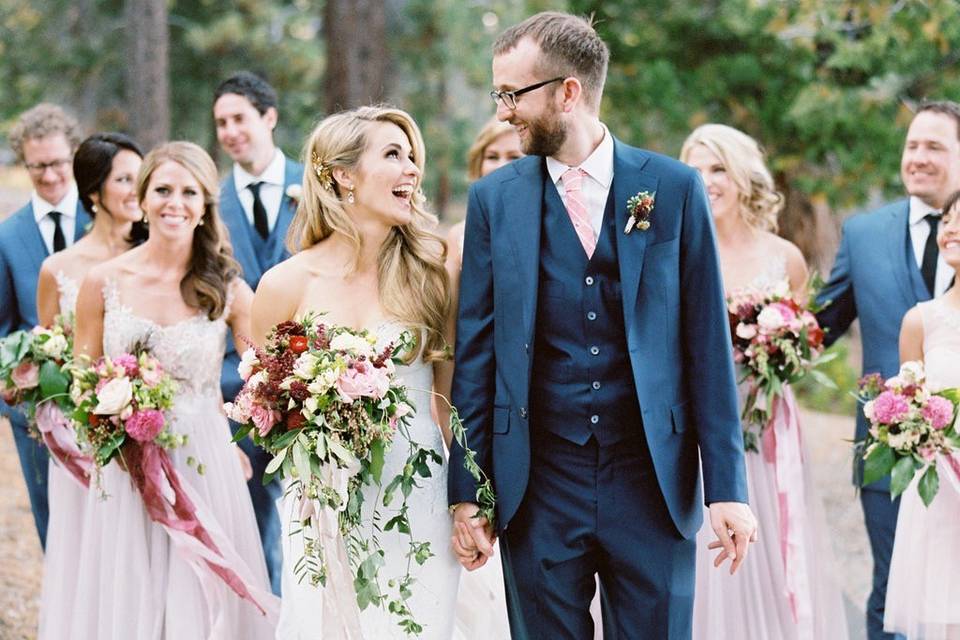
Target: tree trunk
x=357 y=57
x=148 y=89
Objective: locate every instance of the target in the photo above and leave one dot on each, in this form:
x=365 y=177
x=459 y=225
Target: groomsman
x=44 y=140
x=888 y=261
x=257 y=201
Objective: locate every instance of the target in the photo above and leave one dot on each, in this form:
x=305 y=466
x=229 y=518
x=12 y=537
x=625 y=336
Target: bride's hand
x=245 y=464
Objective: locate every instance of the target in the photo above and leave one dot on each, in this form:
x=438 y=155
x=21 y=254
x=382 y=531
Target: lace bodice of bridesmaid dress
x=941 y=343
x=190 y=350
x=69 y=289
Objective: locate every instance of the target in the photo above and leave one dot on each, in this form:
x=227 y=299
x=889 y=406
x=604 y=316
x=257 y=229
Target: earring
x=201 y=223
x=144 y=220
x=93 y=209
x=350 y=196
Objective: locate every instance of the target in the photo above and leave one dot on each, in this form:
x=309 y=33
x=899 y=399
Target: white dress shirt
x=271 y=191
x=919 y=232
x=596 y=184
x=68 y=220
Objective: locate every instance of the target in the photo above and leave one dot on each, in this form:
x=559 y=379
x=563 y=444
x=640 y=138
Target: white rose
x=294 y=192
x=746 y=331
x=114 y=396
x=247 y=362
x=868 y=410
x=770 y=319
x=319 y=386
x=55 y=346
x=305 y=366
x=912 y=372
x=352 y=344
x=782 y=289
x=257 y=379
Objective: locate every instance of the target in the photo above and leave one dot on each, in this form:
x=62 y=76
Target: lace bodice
x=69 y=289
x=191 y=350
x=773 y=274
x=941 y=343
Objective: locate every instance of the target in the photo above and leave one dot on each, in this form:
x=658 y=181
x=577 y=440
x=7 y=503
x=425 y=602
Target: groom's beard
x=545 y=135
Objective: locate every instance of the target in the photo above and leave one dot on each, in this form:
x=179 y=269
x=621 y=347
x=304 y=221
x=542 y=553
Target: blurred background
x=826 y=86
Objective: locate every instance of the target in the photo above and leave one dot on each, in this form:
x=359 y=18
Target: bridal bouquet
x=776 y=341
x=34 y=373
x=326 y=403
x=910 y=425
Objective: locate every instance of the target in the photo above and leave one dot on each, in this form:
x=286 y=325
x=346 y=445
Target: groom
x=591 y=363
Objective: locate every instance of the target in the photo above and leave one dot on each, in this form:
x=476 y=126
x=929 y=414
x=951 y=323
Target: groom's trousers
x=590 y=510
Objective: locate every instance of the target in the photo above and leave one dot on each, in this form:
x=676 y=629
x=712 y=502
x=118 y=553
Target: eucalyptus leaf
x=277 y=460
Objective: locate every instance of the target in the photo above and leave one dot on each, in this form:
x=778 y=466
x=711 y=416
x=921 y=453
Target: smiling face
x=948 y=236
x=930 y=165
x=118 y=195
x=537 y=118
x=721 y=189
x=242 y=131
x=503 y=149
x=173 y=201
x=386 y=176
x=51 y=181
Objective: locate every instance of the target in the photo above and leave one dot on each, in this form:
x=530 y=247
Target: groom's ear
x=571 y=92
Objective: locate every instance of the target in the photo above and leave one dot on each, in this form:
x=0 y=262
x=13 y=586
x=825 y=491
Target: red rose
x=298 y=344
x=295 y=420
x=92 y=419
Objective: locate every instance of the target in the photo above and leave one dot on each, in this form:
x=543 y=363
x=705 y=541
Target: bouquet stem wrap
x=781 y=448
x=170 y=502
x=58 y=434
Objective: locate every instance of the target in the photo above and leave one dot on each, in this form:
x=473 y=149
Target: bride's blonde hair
x=414 y=286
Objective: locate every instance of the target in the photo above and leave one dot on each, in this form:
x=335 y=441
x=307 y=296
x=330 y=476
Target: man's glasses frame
x=38 y=168
x=509 y=98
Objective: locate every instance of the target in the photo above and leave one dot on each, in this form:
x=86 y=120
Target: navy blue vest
x=581 y=384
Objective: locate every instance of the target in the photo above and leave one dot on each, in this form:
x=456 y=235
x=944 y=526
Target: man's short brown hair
x=41 y=121
x=570 y=46
x=945 y=107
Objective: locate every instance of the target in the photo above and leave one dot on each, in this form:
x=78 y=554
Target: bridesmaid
x=923 y=590
x=105 y=167
x=785 y=591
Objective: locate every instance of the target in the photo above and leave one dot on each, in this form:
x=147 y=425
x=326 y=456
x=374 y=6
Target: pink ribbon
x=782 y=449
x=170 y=502
x=61 y=442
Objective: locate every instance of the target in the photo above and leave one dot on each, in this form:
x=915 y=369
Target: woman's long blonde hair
x=741 y=155
x=414 y=286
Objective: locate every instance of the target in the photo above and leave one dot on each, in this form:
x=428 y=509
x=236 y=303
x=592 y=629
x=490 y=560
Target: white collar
x=598 y=165
x=67 y=206
x=919 y=210
x=273 y=174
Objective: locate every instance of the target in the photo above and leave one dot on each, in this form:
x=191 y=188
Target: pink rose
x=363 y=380
x=264 y=419
x=890 y=407
x=927 y=452
x=239 y=410
x=26 y=375
x=144 y=425
x=128 y=363
x=939 y=411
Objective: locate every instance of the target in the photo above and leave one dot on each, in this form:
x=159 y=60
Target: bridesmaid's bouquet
x=910 y=425
x=34 y=374
x=776 y=341
x=326 y=403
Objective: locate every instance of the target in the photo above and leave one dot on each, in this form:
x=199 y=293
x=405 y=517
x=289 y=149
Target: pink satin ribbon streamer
x=61 y=442
x=782 y=448
x=152 y=472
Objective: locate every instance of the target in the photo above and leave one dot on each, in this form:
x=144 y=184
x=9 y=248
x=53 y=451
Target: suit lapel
x=286 y=213
x=236 y=221
x=899 y=247
x=522 y=200
x=628 y=180
x=32 y=241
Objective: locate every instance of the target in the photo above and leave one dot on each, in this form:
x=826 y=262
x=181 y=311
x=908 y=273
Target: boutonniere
x=294 y=192
x=639 y=208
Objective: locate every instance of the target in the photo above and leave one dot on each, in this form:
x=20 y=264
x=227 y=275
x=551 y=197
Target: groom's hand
x=736 y=527
x=473 y=537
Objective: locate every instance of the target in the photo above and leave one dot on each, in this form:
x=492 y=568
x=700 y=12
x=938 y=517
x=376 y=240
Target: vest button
x=591 y=315
x=594 y=419
x=595 y=350
x=523 y=412
x=588 y=280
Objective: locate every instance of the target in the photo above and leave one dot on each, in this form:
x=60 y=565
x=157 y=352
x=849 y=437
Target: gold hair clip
x=323 y=172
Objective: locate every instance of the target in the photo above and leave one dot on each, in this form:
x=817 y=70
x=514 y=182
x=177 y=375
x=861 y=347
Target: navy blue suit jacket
x=675 y=317
x=875 y=278
x=235 y=218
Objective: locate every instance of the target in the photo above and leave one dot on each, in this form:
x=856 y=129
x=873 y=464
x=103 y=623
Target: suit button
x=588 y=280
x=595 y=385
x=594 y=419
x=526 y=347
x=523 y=412
x=591 y=315
x=595 y=350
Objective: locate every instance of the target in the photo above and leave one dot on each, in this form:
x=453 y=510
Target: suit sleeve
x=837 y=294
x=474 y=381
x=8 y=308
x=708 y=354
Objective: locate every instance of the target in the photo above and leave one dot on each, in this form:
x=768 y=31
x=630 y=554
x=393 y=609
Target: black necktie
x=59 y=242
x=928 y=268
x=259 y=211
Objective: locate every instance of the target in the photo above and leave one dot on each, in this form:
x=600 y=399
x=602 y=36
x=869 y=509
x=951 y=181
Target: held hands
x=472 y=538
x=736 y=527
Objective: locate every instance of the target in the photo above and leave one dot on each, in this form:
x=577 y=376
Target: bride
x=366 y=259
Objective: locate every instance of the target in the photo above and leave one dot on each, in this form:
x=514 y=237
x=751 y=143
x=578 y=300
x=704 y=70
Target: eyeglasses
x=509 y=98
x=39 y=167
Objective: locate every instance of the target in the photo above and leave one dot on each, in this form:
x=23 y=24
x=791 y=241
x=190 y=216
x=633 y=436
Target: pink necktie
x=577 y=209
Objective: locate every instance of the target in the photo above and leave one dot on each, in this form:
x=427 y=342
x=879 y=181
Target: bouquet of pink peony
x=776 y=341
x=324 y=400
x=910 y=425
